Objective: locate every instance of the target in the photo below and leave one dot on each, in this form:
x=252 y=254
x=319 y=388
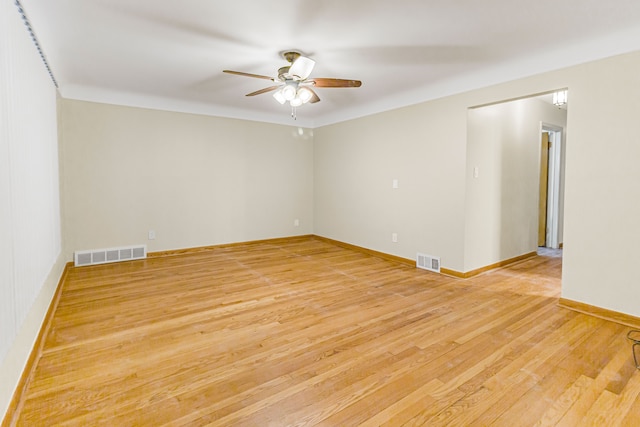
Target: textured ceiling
x=170 y=54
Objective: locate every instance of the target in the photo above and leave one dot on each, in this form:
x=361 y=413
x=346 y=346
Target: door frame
x=556 y=134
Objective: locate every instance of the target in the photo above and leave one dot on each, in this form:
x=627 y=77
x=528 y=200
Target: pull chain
x=294 y=113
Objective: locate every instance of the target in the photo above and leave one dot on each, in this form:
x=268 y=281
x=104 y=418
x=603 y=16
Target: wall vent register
x=103 y=256
x=428 y=262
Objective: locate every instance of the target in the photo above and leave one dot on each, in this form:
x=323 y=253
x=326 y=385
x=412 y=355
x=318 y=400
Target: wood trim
x=34 y=356
x=453 y=273
x=601 y=313
x=498 y=264
x=174 y=252
x=412 y=262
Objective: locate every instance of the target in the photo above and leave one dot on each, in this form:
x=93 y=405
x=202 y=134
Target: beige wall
x=501 y=208
x=602 y=202
x=195 y=180
x=425 y=147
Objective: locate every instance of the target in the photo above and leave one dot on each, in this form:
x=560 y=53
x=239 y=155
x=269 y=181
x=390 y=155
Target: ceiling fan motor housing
x=283 y=73
x=291 y=56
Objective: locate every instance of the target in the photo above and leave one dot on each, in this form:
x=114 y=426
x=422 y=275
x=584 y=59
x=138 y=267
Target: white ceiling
x=170 y=54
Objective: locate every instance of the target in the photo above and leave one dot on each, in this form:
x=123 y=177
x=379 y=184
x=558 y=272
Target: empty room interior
x=319 y=213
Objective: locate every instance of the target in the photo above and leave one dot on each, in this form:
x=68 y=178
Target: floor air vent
x=428 y=262
x=103 y=256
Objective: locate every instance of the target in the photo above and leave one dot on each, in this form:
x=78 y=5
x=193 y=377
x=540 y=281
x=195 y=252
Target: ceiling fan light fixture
x=560 y=98
x=293 y=84
x=279 y=97
x=289 y=92
x=305 y=95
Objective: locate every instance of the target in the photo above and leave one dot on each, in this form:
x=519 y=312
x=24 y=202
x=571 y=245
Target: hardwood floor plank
x=398 y=412
x=502 y=390
x=304 y=332
x=615 y=409
x=561 y=405
x=588 y=396
x=631 y=417
x=552 y=386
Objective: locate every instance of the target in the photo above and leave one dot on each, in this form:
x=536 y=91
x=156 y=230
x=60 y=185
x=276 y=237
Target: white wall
x=195 y=180
x=30 y=265
x=501 y=208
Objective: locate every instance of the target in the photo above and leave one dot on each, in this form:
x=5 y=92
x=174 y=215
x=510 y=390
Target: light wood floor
x=308 y=333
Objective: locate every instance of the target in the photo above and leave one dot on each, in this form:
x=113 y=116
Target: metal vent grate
x=428 y=262
x=103 y=256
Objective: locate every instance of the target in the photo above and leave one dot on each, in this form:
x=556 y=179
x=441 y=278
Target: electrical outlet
x=152 y=234
x=394 y=237
x=296 y=222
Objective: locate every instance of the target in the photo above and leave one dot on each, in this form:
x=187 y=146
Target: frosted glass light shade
x=560 y=98
x=305 y=95
x=302 y=67
x=288 y=92
x=279 y=97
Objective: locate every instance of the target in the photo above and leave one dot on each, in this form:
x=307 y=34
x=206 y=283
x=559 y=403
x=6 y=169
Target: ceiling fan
x=293 y=83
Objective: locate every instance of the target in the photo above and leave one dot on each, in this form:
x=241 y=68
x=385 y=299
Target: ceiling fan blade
x=315 y=97
x=326 y=82
x=261 y=91
x=301 y=67
x=240 y=73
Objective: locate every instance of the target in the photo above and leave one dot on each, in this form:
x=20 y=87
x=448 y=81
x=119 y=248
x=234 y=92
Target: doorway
x=550 y=199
